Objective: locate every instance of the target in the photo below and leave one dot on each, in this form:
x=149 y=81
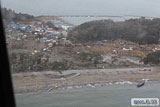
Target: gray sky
x=85 y=7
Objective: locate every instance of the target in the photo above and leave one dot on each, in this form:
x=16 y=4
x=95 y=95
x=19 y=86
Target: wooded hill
x=142 y=31
x=10 y=15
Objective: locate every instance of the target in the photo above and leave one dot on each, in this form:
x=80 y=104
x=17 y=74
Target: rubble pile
x=35 y=37
x=49 y=38
x=118 y=53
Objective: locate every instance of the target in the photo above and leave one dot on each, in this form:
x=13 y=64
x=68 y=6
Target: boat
x=140 y=84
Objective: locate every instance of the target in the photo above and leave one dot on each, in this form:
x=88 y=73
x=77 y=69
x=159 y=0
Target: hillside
x=10 y=15
x=142 y=31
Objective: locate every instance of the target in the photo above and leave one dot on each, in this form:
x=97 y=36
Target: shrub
x=61 y=65
x=152 y=58
x=92 y=57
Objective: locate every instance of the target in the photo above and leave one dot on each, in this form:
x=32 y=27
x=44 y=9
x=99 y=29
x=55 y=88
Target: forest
x=142 y=31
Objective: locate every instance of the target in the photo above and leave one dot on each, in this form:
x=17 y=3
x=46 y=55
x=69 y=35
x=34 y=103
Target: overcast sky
x=85 y=7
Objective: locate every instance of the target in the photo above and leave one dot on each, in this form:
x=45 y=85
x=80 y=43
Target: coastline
x=45 y=81
x=106 y=96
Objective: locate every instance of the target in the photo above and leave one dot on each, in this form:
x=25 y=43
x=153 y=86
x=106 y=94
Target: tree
x=142 y=31
x=51 y=25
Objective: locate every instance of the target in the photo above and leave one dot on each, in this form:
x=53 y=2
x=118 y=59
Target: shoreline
x=45 y=81
x=87 y=86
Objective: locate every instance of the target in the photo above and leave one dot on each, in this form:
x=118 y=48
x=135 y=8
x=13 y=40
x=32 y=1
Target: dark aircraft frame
x=6 y=88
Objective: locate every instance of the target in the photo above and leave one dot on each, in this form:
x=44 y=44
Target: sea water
x=107 y=96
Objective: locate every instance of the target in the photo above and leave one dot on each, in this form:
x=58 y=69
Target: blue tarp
x=50 y=34
x=99 y=44
x=22 y=28
x=50 y=40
